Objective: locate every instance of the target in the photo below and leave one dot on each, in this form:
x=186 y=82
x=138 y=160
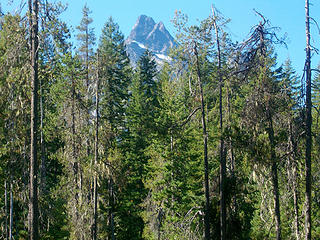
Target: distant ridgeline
x=146 y=34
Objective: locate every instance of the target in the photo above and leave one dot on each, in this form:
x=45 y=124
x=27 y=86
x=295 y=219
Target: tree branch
x=190 y=116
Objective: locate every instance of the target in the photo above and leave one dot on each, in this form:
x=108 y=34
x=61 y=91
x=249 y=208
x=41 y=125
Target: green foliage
x=14 y=114
x=114 y=75
x=86 y=35
x=150 y=169
x=140 y=116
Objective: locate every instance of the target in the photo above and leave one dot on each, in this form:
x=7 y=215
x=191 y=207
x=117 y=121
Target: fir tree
x=140 y=115
x=114 y=76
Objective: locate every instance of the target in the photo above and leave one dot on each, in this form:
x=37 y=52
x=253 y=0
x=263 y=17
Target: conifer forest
x=219 y=142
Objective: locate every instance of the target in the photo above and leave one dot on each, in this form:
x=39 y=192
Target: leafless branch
x=263 y=18
x=315 y=70
x=190 y=116
x=314 y=21
x=108 y=164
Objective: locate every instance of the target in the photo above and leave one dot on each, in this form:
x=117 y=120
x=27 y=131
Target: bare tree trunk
x=87 y=85
x=33 y=198
x=95 y=186
x=73 y=129
x=43 y=160
x=276 y=199
x=75 y=164
x=205 y=150
x=111 y=209
x=222 y=155
x=11 y=210
x=296 y=203
x=274 y=177
x=231 y=150
x=6 y=210
x=308 y=126
x=232 y=164
x=293 y=165
x=112 y=227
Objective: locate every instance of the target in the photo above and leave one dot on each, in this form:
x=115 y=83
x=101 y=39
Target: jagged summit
x=146 y=34
x=142 y=28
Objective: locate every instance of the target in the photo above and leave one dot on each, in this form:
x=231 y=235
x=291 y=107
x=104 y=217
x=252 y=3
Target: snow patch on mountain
x=140 y=44
x=163 y=57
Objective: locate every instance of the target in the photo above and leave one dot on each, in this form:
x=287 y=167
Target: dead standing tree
x=205 y=144
x=223 y=167
x=33 y=195
x=254 y=53
x=308 y=126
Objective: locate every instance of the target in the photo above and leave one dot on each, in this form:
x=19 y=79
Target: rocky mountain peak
x=146 y=34
x=142 y=28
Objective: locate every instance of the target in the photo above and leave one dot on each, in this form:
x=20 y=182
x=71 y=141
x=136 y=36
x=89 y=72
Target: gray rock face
x=146 y=34
x=142 y=28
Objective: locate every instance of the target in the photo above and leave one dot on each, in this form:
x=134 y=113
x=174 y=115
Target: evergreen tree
x=265 y=104
x=70 y=101
x=140 y=116
x=175 y=174
x=53 y=45
x=14 y=126
x=86 y=39
x=114 y=76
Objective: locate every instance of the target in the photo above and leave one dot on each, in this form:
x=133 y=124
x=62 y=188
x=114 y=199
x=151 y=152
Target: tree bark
x=6 y=210
x=42 y=143
x=205 y=150
x=11 y=211
x=111 y=208
x=33 y=195
x=293 y=164
x=75 y=163
x=296 y=203
x=308 y=126
x=274 y=177
x=276 y=199
x=73 y=129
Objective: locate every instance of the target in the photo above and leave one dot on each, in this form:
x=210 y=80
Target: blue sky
x=289 y=15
